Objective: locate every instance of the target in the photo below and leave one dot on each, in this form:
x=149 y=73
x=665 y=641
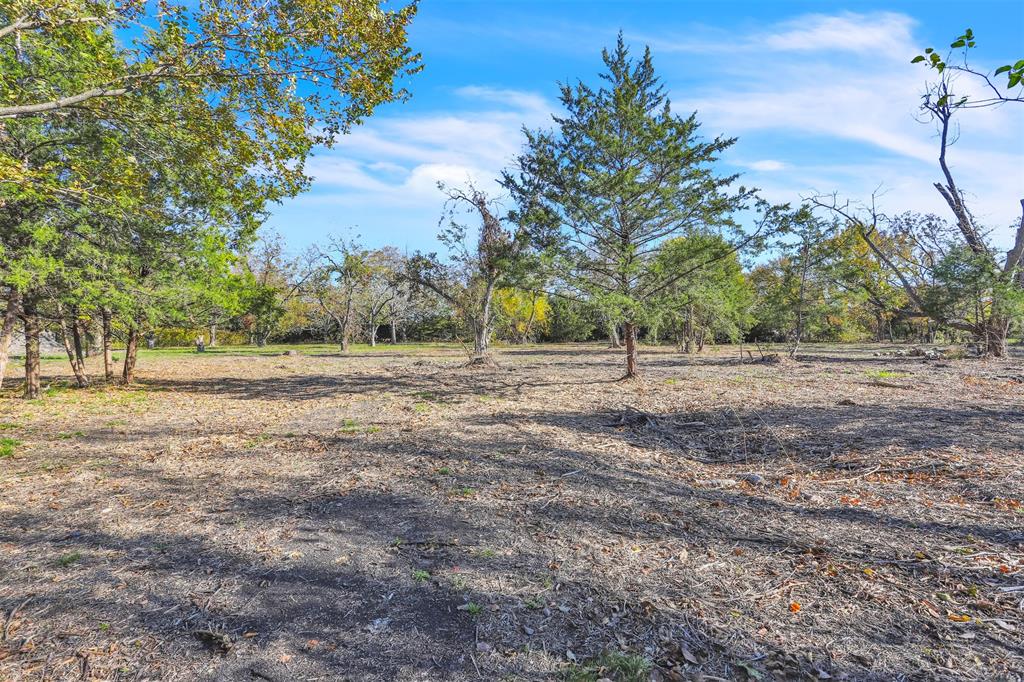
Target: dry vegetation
x=402 y=517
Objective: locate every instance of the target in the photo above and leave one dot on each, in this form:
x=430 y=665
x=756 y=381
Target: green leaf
x=1002 y=69
x=920 y=58
x=957 y=43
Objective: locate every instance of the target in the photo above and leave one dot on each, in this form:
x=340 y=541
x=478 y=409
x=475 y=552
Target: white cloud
x=766 y=165
x=884 y=33
x=399 y=160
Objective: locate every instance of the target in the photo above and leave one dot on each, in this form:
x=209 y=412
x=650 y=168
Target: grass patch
x=66 y=560
x=256 y=441
x=887 y=374
x=612 y=665
x=7 y=447
x=351 y=426
x=421 y=576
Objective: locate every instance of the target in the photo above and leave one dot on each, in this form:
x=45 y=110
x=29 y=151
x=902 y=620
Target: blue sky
x=821 y=95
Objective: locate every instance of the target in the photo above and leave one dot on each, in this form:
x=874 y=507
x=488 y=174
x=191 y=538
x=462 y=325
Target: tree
x=339 y=271
x=620 y=174
x=941 y=104
x=521 y=313
x=286 y=64
x=139 y=144
x=474 y=269
x=378 y=299
x=713 y=301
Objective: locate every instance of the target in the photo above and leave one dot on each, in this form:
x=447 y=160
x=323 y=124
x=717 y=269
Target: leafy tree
x=713 y=301
x=521 y=314
x=620 y=174
x=139 y=144
x=570 y=320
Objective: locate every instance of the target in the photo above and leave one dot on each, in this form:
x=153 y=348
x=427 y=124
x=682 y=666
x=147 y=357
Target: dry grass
x=406 y=517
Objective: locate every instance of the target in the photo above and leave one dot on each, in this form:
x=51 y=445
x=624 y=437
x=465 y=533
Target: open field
x=395 y=515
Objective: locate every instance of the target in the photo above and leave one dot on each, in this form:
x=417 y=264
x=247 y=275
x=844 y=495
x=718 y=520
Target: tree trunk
x=108 y=342
x=346 y=325
x=613 y=336
x=996 y=332
x=73 y=353
x=31 y=318
x=394 y=333
x=373 y=332
x=479 y=341
x=10 y=319
x=688 y=330
x=76 y=334
x=130 y=353
x=213 y=334
x=629 y=331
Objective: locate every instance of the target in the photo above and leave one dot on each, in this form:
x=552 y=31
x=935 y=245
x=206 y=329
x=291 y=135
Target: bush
x=179 y=336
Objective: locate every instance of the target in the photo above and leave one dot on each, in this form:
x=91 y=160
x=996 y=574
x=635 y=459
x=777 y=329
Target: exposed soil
x=405 y=517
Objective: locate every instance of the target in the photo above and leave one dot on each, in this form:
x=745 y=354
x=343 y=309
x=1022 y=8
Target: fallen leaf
x=794 y=606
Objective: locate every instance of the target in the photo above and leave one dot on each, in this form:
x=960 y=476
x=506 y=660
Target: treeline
x=140 y=152
x=826 y=286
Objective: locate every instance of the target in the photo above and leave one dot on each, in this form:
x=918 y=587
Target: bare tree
x=474 y=270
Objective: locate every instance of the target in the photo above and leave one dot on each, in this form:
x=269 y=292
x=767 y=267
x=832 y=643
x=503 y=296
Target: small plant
x=612 y=665
x=488 y=553
x=421 y=576
x=67 y=559
x=444 y=471
x=421 y=408
x=465 y=491
x=474 y=609
x=350 y=426
x=533 y=603
x=256 y=441
x=7 y=446
x=104 y=626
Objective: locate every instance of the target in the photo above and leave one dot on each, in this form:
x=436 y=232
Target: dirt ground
x=399 y=516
